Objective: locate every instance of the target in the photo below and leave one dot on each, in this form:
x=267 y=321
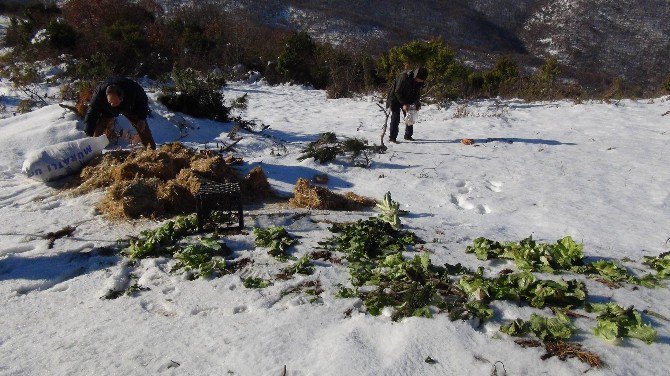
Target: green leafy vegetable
x=205 y=258
x=390 y=211
x=255 y=283
x=529 y=255
x=485 y=249
x=547 y=329
x=615 y=322
x=660 y=263
x=565 y=255
x=275 y=238
x=154 y=243
x=302 y=266
x=525 y=287
x=344 y=292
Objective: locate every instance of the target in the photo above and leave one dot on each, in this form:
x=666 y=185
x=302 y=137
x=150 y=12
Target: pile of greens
x=157 y=242
x=547 y=329
x=565 y=255
x=660 y=263
x=274 y=238
x=373 y=249
x=204 y=258
x=364 y=243
x=616 y=322
x=524 y=287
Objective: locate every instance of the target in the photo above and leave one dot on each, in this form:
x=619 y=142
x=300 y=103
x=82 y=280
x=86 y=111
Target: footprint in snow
x=495 y=186
x=159 y=308
x=464 y=201
x=463 y=187
x=483 y=209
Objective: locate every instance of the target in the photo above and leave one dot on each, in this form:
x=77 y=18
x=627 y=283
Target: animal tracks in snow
x=468 y=196
x=483 y=209
x=494 y=186
x=462 y=202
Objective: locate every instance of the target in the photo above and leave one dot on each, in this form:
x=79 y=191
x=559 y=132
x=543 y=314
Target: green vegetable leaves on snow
x=205 y=258
x=275 y=238
x=547 y=329
x=154 y=243
x=529 y=255
x=565 y=255
x=616 y=322
x=390 y=211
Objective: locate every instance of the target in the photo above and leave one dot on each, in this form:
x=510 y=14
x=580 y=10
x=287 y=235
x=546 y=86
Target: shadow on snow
x=55 y=268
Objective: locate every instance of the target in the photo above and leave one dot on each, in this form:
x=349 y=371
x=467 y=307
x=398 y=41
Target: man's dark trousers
x=395 y=122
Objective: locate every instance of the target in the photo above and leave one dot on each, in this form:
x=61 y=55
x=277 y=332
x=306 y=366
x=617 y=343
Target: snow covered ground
x=598 y=172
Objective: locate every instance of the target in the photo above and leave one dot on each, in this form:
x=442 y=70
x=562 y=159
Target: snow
x=595 y=171
x=40 y=36
x=336 y=31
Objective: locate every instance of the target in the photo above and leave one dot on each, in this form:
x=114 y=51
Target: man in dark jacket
x=119 y=96
x=405 y=92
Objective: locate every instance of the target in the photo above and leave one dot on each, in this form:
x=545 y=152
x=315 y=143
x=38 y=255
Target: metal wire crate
x=220 y=204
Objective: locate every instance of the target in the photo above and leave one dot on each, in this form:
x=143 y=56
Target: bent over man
x=119 y=96
x=405 y=92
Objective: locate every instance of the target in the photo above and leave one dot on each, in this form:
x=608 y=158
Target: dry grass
x=256 y=185
x=155 y=182
x=360 y=201
x=132 y=199
x=565 y=350
x=314 y=197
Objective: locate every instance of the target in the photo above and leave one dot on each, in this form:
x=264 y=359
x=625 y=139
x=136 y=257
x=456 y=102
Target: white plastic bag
x=412 y=116
x=65 y=158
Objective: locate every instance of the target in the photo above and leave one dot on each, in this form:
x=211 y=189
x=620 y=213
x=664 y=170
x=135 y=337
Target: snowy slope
x=598 y=172
x=614 y=35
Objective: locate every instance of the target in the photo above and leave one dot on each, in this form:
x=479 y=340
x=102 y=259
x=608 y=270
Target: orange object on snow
x=467 y=141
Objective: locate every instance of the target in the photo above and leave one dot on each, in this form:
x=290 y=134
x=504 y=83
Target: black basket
x=220 y=204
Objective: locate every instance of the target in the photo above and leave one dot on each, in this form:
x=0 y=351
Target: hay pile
x=154 y=182
x=132 y=199
x=314 y=197
x=256 y=185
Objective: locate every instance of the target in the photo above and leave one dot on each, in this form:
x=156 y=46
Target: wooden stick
x=386 y=121
x=228 y=147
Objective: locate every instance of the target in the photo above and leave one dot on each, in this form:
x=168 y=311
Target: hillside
x=604 y=38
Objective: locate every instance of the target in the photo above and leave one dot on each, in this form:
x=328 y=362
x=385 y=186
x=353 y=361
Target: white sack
x=65 y=158
x=411 y=117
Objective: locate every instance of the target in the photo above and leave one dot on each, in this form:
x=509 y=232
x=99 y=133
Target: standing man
x=119 y=96
x=405 y=92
